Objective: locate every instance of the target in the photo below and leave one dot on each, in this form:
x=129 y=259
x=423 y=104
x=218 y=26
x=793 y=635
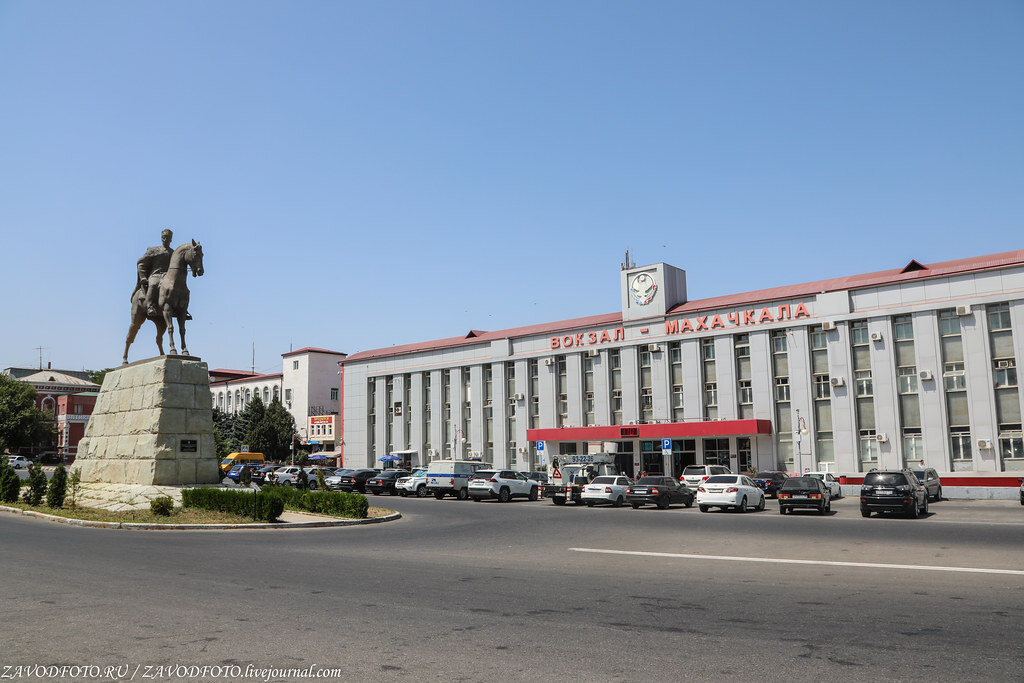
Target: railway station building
x=913 y=366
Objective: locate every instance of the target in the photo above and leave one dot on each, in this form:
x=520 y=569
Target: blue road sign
x=666 y=444
x=540 y=446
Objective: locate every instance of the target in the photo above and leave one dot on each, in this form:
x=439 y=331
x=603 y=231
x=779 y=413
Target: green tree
x=36 y=485
x=223 y=427
x=96 y=376
x=246 y=421
x=273 y=434
x=10 y=483
x=75 y=487
x=57 y=488
x=21 y=423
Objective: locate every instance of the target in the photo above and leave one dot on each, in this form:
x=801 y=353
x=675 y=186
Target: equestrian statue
x=161 y=291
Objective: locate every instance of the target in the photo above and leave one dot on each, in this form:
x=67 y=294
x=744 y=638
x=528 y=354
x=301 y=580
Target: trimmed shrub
x=239 y=503
x=57 y=488
x=245 y=477
x=302 y=479
x=36 y=485
x=321 y=480
x=10 y=483
x=336 y=503
x=163 y=506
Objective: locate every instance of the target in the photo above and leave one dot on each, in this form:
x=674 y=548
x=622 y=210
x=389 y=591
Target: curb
x=198 y=527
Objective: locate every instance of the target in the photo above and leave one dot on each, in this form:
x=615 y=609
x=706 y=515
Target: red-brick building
x=73 y=411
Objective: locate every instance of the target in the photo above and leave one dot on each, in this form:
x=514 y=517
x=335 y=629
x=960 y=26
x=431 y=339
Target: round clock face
x=643 y=288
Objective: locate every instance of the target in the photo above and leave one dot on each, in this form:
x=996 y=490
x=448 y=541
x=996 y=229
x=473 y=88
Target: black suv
x=893 y=491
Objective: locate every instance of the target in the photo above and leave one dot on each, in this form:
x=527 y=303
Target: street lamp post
x=798 y=434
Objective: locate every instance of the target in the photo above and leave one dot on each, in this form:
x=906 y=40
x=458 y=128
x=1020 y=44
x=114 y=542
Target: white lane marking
x=779 y=560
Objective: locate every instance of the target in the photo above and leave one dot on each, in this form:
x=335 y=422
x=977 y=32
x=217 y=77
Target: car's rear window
x=649 y=481
x=483 y=474
x=884 y=479
x=604 y=480
x=721 y=479
x=764 y=475
x=799 y=483
x=693 y=469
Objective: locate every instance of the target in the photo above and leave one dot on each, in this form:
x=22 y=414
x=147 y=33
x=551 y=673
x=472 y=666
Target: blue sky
x=363 y=174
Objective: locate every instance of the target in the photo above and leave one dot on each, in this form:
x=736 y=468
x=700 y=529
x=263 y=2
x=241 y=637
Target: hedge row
x=235 y=502
x=335 y=503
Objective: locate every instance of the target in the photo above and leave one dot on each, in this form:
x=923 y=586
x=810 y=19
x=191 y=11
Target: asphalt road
x=489 y=591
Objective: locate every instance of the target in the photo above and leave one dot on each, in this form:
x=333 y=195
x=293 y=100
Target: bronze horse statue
x=172 y=300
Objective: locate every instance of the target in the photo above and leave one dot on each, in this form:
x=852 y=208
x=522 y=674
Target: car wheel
x=938 y=494
x=421 y=492
x=402 y=493
x=824 y=508
x=439 y=494
x=760 y=506
x=663 y=503
x=924 y=510
x=915 y=510
x=742 y=507
x=533 y=493
x=287 y=483
x=782 y=509
x=864 y=512
x=703 y=508
x=688 y=502
x=503 y=495
x=463 y=494
x=635 y=506
x=617 y=503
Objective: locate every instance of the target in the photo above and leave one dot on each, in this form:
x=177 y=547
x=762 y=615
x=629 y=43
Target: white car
x=830 y=481
x=18 y=461
x=415 y=484
x=693 y=475
x=606 y=489
x=729 y=491
x=502 y=484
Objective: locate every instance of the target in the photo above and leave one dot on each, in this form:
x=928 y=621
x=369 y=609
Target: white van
x=452 y=477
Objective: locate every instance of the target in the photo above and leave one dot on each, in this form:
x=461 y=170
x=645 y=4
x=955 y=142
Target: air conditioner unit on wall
x=593 y=352
x=964 y=309
x=837 y=381
x=925 y=375
x=984 y=443
x=653 y=348
x=876 y=336
x=881 y=437
x=828 y=326
x=549 y=361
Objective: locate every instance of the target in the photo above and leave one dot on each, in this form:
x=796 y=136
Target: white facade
x=879 y=370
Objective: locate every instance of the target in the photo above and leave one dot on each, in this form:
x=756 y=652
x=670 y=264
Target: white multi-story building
x=910 y=366
x=308 y=385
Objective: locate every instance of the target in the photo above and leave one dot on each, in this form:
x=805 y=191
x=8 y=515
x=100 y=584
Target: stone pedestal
x=152 y=426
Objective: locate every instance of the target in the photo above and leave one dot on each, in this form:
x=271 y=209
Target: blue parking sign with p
x=540 y=446
x=666 y=444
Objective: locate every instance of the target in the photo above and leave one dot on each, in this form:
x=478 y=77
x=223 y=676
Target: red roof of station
x=914 y=270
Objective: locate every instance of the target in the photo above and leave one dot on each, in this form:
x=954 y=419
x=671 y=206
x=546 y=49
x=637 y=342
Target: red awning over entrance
x=664 y=430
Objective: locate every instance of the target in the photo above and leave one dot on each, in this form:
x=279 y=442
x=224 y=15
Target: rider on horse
x=151 y=269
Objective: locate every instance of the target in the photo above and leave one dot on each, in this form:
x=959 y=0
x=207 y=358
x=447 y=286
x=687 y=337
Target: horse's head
x=195 y=259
